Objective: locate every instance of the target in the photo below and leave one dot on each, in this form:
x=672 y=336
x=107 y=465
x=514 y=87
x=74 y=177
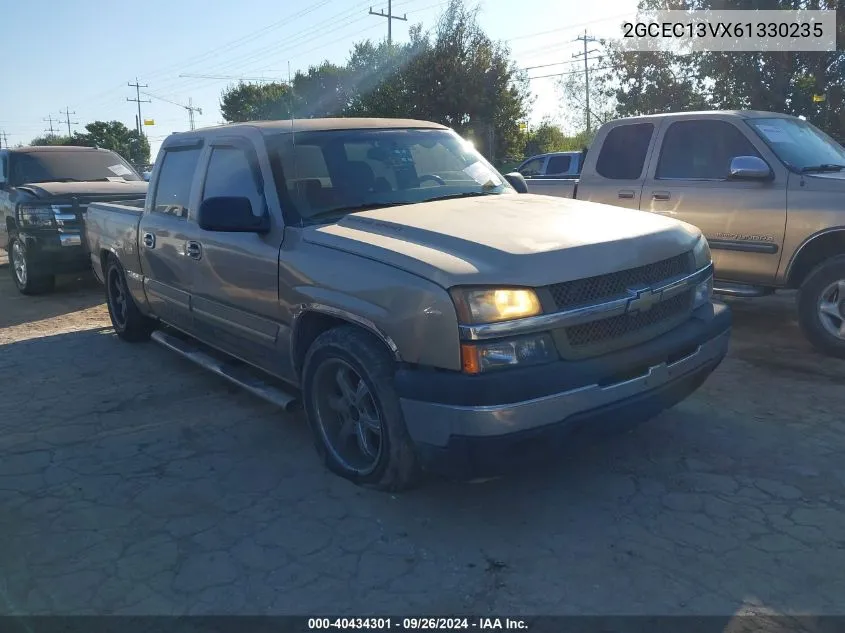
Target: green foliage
x=112 y=135
x=455 y=75
x=775 y=81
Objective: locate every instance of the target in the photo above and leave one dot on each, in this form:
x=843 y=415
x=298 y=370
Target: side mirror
x=749 y=168
x=517 y=181
x=231 y=215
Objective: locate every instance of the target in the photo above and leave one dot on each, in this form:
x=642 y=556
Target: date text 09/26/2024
x=417 y=624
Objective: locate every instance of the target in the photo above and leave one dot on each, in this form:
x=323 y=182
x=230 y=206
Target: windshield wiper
x=465 y=194
x=821 y=168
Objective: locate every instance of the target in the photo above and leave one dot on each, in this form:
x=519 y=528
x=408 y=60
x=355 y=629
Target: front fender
x=414 y=317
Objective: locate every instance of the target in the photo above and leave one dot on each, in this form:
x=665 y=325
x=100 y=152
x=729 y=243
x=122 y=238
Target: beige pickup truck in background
x=384 y=275
x=767 y=190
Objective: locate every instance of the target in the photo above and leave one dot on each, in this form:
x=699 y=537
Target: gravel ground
x=131 y=482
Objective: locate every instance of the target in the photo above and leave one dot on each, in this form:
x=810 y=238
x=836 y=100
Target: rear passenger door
x=614 y=175
x=165 y=232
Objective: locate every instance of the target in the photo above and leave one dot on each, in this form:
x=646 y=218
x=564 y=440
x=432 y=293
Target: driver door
x=744 y=221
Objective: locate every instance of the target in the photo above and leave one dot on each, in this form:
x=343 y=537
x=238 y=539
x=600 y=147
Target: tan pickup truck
x=384 y=275
x=767 y=190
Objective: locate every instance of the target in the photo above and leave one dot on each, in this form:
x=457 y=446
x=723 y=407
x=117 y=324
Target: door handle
x=149 y=240
x=660 y=195
x=193 y=249
x=626 y=195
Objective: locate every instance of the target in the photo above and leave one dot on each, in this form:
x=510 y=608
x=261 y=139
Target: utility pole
x=587 y=40
x=4 y=141
x=390 y=17
x=67 y=114
x=139 y=101
x=52 y=129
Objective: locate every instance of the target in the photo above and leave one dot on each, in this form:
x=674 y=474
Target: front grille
x=624 y=325
x=595 y=289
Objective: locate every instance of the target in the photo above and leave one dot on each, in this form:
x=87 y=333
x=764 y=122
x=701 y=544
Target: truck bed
x=113 y=227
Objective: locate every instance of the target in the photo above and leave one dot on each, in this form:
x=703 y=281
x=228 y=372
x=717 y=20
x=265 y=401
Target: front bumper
x=50 y=253
x=472 y=425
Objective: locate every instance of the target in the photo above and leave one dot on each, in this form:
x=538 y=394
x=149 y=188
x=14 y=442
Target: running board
x=741 y=290
x=239 y=374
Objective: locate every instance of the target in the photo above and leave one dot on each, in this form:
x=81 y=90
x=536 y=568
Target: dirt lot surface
x=133 y=482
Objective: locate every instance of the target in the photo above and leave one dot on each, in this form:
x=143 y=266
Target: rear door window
x=173 y=190
x=558 y=165
x=624 y=151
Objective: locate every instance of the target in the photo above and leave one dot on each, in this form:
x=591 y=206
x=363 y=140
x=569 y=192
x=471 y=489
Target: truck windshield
x=800 y=145
x=69 y=166
x=330 y=173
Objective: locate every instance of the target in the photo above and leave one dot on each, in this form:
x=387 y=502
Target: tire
x=128 y=322
x=821 y=307
x=21 y=270
x=368 y=369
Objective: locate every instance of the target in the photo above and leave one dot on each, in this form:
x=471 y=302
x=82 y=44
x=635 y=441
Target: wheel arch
x=814 y=250
x=311 y=320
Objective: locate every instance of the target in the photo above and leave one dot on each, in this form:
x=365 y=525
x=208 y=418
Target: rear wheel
x=127 y=320
x=354 y=411
x=821 y=307
x=27 y=281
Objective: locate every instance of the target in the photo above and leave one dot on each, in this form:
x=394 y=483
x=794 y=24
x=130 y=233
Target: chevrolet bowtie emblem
x=643 y=301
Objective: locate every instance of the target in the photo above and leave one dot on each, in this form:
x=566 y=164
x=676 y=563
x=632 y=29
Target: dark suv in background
x=44 y=192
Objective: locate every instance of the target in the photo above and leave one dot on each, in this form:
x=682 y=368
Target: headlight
x=525 y=350
x=703 y=293
x=36 y=217
x=489 y=305
x=701 y=253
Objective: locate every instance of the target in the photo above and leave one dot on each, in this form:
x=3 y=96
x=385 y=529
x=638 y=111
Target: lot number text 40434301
x=418 y=624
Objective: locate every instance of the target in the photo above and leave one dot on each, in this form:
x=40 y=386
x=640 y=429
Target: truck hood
x=518 y=239
x=85 y=189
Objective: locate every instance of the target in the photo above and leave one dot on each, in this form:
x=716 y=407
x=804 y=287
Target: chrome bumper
x=70 y=239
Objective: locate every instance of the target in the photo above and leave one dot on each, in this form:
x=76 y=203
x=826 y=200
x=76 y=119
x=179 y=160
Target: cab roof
x=309 y=125
x=39 y=149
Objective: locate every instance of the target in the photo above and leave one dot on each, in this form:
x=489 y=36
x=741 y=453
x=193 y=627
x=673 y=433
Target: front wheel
x=821 y=307
x=354 y=411
x=27 y=281
x=127 y=320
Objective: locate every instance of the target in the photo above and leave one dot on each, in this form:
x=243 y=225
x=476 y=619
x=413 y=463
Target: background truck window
x=230 y=174
x=532 y=167
x=701 y=150
x=623 y=153
x=175 y=178
x=559 y=165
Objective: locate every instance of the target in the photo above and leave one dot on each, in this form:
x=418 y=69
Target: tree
x=112 y=135
x=777 y=81
x=51 y=139
x=256 y=102
x=456 y=76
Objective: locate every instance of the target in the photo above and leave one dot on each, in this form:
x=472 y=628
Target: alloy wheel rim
x=19 y=263
x=347 y=416
x=831 y=309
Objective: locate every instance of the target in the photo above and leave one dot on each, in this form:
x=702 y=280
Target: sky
x=87 y=52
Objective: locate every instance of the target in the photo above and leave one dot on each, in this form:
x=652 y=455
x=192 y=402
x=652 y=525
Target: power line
x=4 y=140
x=139 y=101
x=67 y=114
x=390 y=17
x=570 y=72
x=586 y=54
